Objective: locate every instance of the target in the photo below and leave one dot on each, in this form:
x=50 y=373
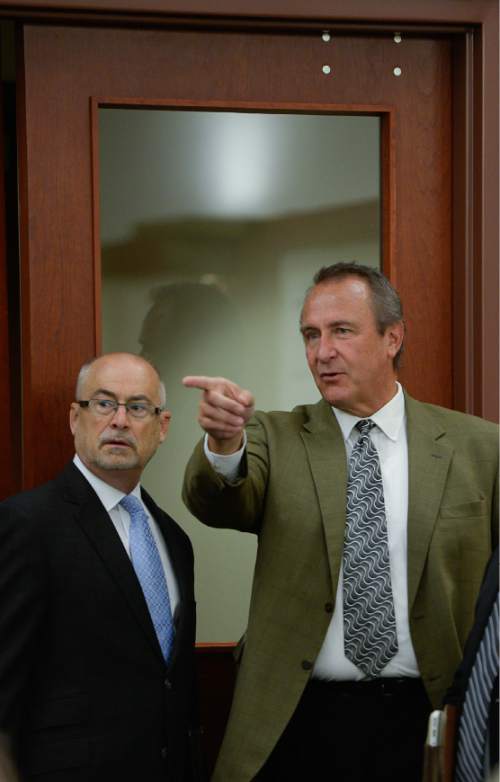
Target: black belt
x=401 y=685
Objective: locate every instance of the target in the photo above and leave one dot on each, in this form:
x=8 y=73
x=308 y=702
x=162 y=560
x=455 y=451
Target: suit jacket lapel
x=325 y=448
x=429 y=458
x=95 y=522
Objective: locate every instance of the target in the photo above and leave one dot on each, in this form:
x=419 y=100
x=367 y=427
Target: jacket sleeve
x=22 y=600
x=236 y=505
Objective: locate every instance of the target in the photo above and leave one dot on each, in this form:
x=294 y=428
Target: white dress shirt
x=390 y=440
x=111 y=498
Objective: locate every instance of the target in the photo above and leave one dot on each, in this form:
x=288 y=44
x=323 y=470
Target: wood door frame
x=387 y=12
x=476 y=163
x=476 y=208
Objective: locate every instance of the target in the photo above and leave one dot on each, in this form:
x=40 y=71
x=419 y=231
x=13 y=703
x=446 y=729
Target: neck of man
x=123 y=480
x=368 y=407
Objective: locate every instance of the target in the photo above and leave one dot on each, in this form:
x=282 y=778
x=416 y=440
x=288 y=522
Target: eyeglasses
x=108 y=407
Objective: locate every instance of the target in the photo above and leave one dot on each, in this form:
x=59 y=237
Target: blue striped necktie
x=149 y=570
x=370 y=639
x=473 y=726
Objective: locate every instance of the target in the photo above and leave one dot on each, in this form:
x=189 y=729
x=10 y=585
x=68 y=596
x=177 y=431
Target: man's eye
x=137 y=407
x=105 y=404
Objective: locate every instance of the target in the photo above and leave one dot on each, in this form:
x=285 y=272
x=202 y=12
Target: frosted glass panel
x=212 y=226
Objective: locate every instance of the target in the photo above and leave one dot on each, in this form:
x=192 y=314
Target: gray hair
x=387 y=307
x=84 y=370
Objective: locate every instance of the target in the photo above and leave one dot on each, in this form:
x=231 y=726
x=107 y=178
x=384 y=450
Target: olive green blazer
x=293 y=496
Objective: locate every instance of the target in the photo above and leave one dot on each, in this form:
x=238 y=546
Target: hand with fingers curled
x=224 y=411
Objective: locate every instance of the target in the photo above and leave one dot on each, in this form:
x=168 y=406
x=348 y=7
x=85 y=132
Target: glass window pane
x=212 y=226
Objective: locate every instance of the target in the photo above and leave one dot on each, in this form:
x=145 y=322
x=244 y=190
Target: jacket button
x=168 y=684
x=307 y=665
x=329 y=608
x=163 y=753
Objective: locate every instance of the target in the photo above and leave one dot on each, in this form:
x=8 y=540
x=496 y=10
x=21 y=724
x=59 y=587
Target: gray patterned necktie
x=370 y=639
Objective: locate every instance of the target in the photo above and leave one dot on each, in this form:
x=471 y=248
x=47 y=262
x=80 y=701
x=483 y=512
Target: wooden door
x=68 y=72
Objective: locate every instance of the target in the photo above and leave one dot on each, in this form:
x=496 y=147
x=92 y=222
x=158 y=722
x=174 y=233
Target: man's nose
x=119 y=418
x=327 y=348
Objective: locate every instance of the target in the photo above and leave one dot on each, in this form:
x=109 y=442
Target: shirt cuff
x=227 y=465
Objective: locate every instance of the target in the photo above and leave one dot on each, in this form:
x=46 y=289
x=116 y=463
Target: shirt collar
x=389 y=418
x=109 y=496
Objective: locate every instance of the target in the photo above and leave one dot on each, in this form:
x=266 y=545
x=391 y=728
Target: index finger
x=222 y=385
x=203 y=382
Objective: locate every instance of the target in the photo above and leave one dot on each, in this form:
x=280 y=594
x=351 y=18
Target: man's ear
x=165 y=417
x=394 y=335
x=74 y=412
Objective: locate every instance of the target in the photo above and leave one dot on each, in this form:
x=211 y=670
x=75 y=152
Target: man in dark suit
x=97 y=612
x=375 y=515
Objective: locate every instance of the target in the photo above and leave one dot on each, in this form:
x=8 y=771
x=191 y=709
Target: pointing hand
x=224 y=411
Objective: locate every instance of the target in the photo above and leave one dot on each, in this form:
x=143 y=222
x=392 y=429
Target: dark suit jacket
x=292 y=494
x=85 y=693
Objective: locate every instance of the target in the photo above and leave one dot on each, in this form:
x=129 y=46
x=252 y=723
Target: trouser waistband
x=401 y=685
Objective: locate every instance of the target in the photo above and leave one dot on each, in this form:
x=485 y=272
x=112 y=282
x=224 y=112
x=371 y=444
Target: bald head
x=125 y=359
x=112 y=441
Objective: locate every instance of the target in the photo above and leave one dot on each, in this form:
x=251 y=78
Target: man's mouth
x=330 y=376
x=117 y=443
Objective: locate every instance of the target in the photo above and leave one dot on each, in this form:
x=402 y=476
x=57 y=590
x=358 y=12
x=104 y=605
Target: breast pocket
x=463 y=531
x=470 y=509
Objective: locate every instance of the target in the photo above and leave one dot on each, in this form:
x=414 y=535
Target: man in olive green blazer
x=290 y=489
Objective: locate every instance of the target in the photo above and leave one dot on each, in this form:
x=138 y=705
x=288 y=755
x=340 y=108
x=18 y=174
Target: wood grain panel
x=216 y=671
x=7 y=452
x=437 y=11
x=66 y=70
